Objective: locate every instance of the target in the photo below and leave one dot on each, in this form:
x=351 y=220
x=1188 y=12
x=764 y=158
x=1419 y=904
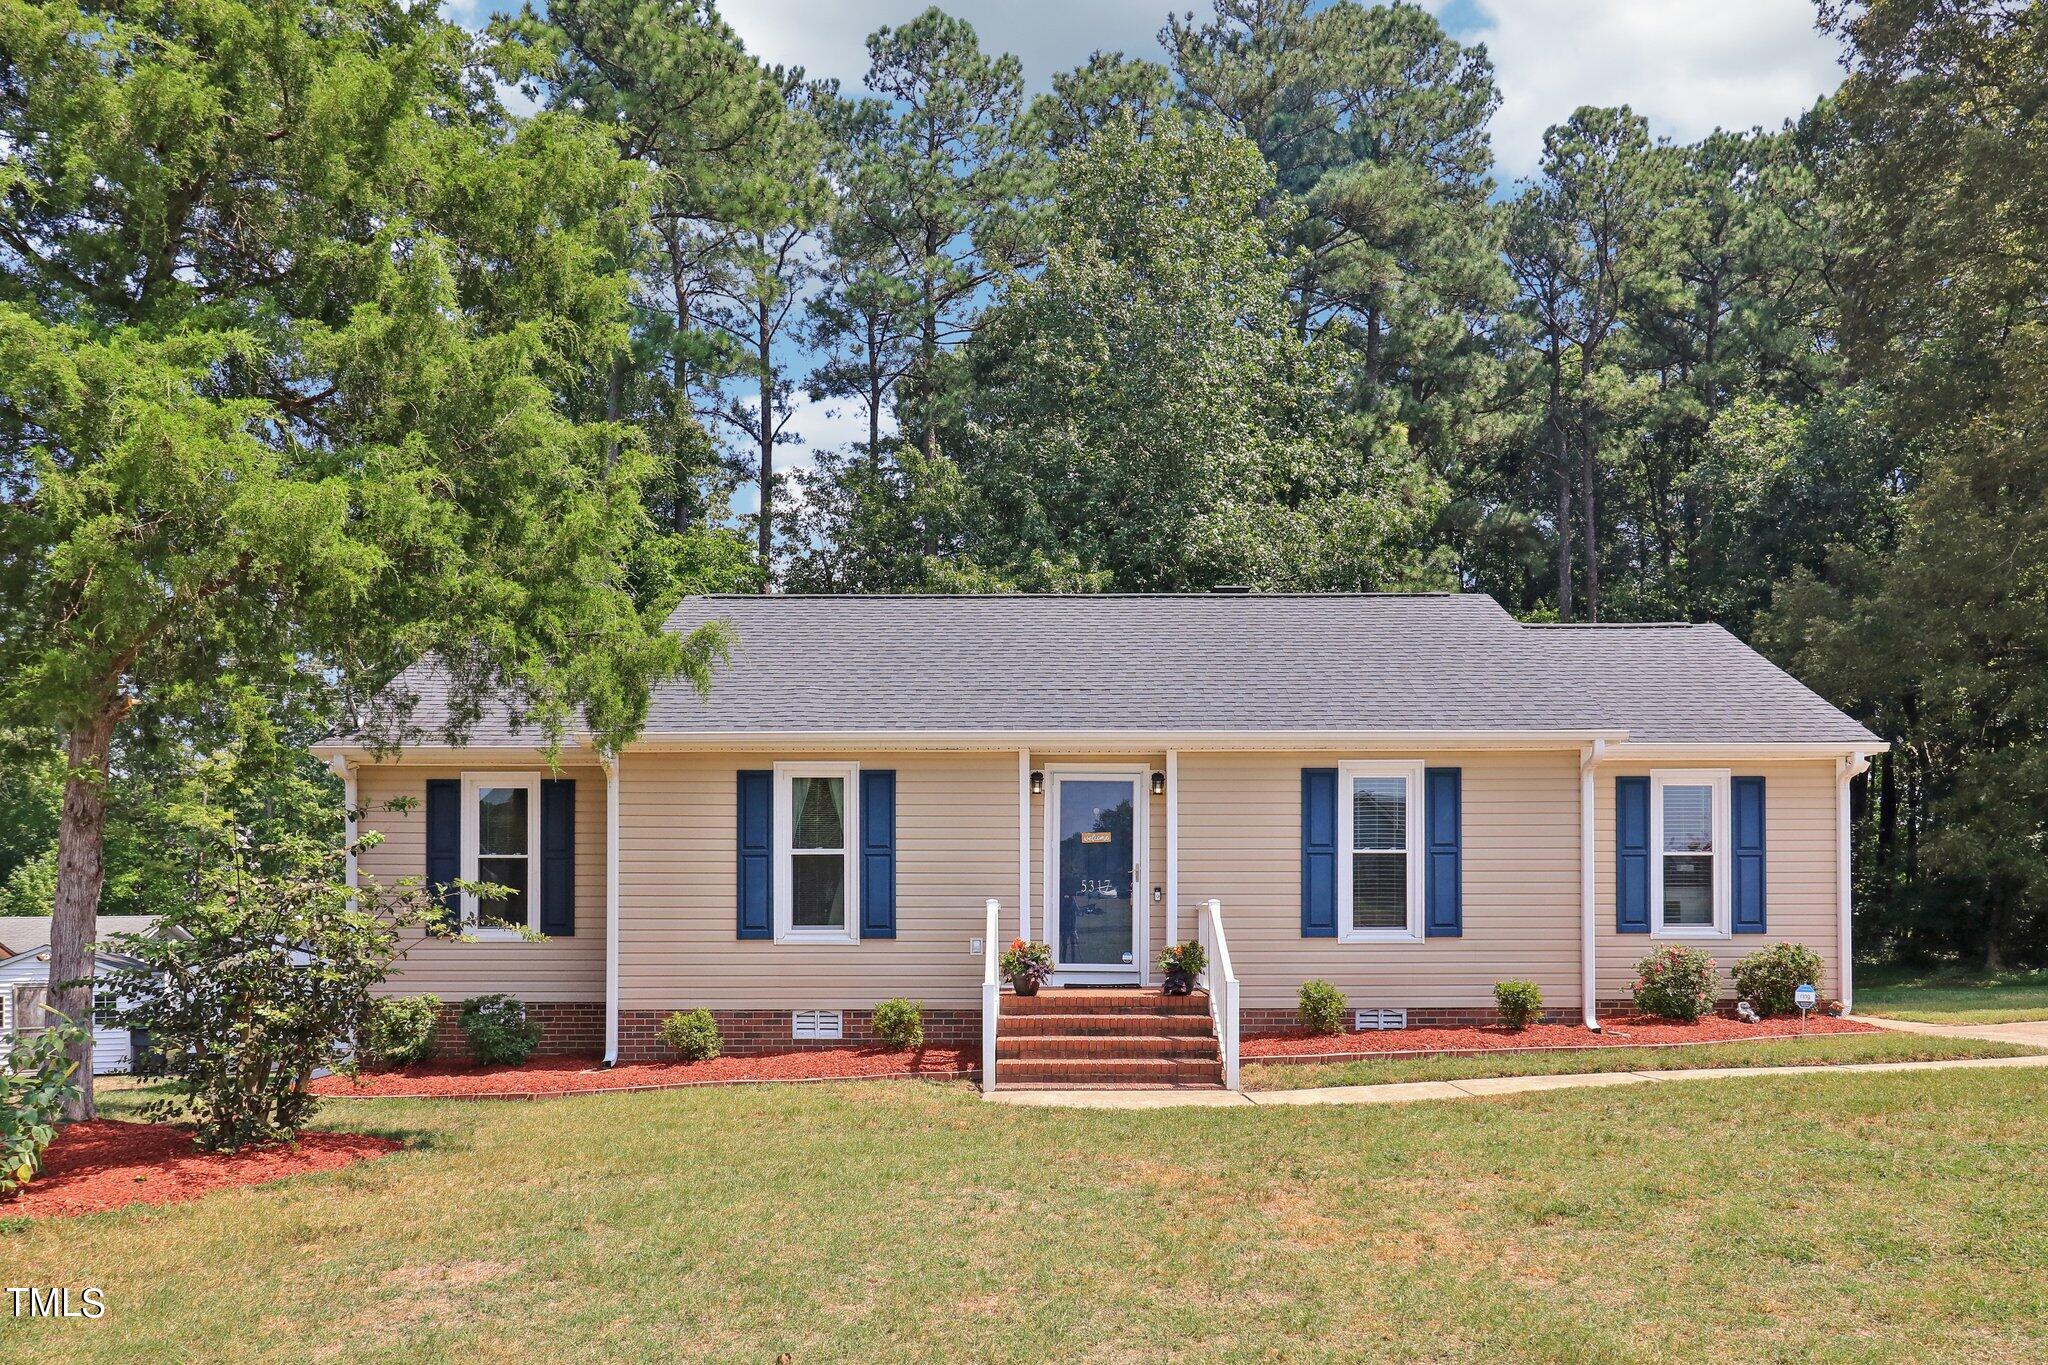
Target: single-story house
x=1413 y=796
x=25 y=983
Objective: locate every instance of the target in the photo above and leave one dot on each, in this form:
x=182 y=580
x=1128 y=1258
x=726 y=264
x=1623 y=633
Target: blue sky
x=1689 y=66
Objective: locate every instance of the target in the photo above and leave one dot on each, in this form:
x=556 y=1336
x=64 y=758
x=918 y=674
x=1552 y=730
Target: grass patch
x=1951 y=995
x=1816 y=1051
x=1841 y=1215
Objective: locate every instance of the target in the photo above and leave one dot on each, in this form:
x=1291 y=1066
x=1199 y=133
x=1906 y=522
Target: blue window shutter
x=877 y=853
x=757 y=855
x=558 y=857
x=444 y=840
x=1443 y=891
x=1746 y=802
x=1319 y=853
x=1631 y=855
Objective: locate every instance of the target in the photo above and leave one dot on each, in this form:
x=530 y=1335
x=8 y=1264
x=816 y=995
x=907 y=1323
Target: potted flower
x=1180 y=965
x=1028 y=965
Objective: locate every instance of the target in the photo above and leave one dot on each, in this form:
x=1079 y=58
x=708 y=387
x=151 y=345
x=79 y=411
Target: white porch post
x=1172 y=847
x=340 y=764
x=1589 y=986
x=611 y=909
x=1845 y=773
x=1023 y=846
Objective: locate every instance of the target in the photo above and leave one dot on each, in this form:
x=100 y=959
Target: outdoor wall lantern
x=1037 y=782
x=1159 y=784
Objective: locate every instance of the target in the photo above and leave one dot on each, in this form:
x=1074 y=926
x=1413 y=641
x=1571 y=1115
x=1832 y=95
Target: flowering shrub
x=1677 y=983
x=1320 y=1007
x=1027 y=963
x=35 y=1084
x=1188 y=959
x=1767 y=979
x=1520 y=1003
x=900 y=1024
x=693 y=1037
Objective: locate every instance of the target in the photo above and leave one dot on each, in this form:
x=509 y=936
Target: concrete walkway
x=2031 y=1034
x=1411 y=1091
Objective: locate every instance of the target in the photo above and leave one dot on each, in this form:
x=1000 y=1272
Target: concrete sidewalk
x=1412 y=1091
x=2031 y=1034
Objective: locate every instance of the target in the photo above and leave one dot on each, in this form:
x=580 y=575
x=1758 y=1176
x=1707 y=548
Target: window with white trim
x=1689 y=848
x=501 y=846
x=816 y=875
x=1379 y=876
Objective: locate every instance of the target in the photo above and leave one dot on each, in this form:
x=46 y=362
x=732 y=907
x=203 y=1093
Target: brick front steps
x=1068 y=1037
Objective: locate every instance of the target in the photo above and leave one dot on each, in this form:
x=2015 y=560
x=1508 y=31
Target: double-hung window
x=1689 y=847
x=1379 y=875
x=501 y=846
x=816 y=875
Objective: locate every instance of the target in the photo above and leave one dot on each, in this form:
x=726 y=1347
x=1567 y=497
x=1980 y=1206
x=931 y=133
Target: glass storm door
x=1098 y=866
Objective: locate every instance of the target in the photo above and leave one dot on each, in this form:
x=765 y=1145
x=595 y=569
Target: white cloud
x=817 y=424
x=1689 y=67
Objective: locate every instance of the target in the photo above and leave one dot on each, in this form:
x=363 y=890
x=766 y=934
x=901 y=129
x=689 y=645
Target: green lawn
x=1815 y=1218
x=1817 y=1051
x=1950 y=995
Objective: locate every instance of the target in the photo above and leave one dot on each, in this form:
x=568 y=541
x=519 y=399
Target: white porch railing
x=1221 y=981
x=991 y=997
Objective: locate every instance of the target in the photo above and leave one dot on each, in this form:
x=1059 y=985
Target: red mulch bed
x=105 y=1164
x=582 y=1075
x=1633 y=1030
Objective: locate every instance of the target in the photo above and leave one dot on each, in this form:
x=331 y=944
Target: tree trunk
x=1564 y=490
x=874 y=391
x=1887 y=812
x=678 y=274
x=765 y=340
x=81 y=870
x=1589 y=528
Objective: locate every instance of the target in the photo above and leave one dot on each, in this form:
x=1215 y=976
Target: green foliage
x=402 y=1029
x=1767 y=979
x=1677 y=982
x=693 y=1037
x=35 y=1085
x=271 y=979
x=1320 y=1007
x=1519 y=1003
x=899 y=1024
x=1189 y=959
x=498 y=1030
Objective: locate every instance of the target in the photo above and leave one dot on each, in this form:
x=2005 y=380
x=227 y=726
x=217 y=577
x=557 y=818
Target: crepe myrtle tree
x=288 y=304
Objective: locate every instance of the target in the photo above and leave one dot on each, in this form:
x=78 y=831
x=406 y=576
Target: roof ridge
x=1202 y=595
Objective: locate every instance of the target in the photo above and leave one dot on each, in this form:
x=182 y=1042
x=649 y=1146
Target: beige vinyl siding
x=1240 y=842
x=1152 y=916
x=956 y=846
x=1800 y=887
x=555 y=969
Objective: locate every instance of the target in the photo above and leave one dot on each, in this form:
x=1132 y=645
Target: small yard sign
x=1805 y=997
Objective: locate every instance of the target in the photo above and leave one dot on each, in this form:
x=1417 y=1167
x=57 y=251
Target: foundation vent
x=817 y=1024
x=1375 y=1021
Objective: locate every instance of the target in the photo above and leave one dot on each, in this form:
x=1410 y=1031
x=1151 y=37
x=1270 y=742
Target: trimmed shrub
x=693 y=1036
x=900 y=1024
x=402 y=1030
x=1768 y=978
x=1320 y=1007
x=1677 y=983
x=1520 y=1003
x=498 y=1030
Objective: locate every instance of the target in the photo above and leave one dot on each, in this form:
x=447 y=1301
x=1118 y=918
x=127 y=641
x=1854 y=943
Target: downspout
x=611 y=907
x=1846 y=770
x=339 y=763
x=1589 y=989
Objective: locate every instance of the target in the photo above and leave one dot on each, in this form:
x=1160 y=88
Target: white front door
x=1095 y=858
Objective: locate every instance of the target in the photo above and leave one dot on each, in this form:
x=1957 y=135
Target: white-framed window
x=1379 y=838
x=817 y=883
x=1689 y=852
x=501 y=845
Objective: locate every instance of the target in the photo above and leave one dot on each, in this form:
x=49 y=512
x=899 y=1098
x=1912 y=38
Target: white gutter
x=611 y=908
x=339 y=763
x=1589 y=986
x=1846 y=770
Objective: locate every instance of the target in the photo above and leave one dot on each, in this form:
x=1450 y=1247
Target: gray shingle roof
x=20 y=933
x=1214 y=661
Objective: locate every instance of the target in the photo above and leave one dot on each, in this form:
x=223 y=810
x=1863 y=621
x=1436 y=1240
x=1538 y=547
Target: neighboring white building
x=25 y=977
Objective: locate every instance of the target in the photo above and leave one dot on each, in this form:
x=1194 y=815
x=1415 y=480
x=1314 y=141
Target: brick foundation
x=1444 y=1016
x=567 y=1029
x=752 y=1032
